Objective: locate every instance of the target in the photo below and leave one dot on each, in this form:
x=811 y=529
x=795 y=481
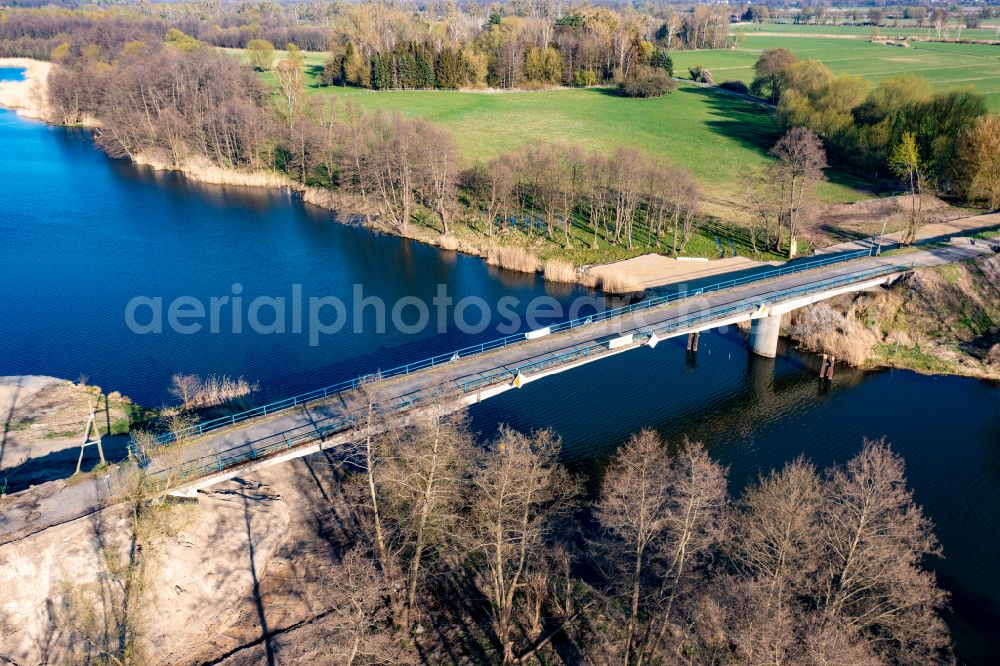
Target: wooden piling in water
x=822 y=367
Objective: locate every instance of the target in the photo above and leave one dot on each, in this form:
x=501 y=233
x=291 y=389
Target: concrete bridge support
x=764 y=335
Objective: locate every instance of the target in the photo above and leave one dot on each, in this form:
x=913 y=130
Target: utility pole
x=87 y=441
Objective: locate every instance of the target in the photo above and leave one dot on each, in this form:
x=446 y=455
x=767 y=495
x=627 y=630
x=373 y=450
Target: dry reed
x=614 y=283
x=512 y=259
x=557 y=270
x=822 y=328
x=197 y=393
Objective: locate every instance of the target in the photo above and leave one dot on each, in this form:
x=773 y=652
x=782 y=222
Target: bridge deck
x=463 y=379
x=300 y=428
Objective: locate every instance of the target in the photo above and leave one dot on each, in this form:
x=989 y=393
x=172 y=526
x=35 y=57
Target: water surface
x=83 y=234
x=11 y=74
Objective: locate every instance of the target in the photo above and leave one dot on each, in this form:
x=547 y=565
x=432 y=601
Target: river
x=84 y=235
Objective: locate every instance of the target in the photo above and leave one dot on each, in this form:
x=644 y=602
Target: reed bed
x=557 y=270
x=197 y=393
x=512 y=258
x=615 y=283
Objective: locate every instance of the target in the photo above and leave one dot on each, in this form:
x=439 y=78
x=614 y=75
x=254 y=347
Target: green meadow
x=716 y=136
x=945 y=65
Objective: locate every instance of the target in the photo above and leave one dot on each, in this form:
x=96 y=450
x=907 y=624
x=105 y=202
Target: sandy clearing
x=199 y=577
x=41 y=415
x=654 y=270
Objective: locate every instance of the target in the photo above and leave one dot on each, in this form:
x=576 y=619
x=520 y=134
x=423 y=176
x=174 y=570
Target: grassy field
x=716 y=136
x=944 y=65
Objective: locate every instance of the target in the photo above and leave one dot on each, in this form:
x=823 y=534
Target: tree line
x=169 y=101
x=934 y=141
x=376 y=46
x=656 y=563
x=177 y=101
x=379 y=45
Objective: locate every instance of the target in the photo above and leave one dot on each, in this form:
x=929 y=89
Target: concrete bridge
x=214 y=451
x=268 y=435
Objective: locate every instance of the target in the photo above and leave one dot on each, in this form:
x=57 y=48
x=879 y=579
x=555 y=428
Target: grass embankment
x=945 y=65
x=944 y=320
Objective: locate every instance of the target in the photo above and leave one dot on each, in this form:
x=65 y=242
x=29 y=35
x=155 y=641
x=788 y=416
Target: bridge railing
x=331 y=425
x=499 y=343
x=709 y=289
x=686 y=321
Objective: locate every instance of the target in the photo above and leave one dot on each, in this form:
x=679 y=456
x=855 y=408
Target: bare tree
x=777 y=530
x=371 y=429
x=695 y=523
x=424 y=483
x=359 y=621
x=634 y=506
x=801 y=162
x=762 y=207
x=518 y=489
x=494 y=185
x=438 y=168
x=291 y=88
x=874 y=538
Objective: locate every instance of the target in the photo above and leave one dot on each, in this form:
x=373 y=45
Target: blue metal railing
x=718 y=312
x=331 y=425
x=442 y=359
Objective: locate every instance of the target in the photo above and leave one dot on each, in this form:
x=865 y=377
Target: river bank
x=943 y=320
x=629 y=276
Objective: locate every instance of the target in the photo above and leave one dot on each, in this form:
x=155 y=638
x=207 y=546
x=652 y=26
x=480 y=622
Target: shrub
x=585 y=77
x=706 y=77
x=645 y=81
x=736 y=87
x=695 y=72
x=661 y=60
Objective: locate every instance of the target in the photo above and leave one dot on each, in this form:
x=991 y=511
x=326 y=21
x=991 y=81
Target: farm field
x=904 y=29
x=945 y=65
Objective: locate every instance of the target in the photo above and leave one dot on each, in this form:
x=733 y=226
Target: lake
x=84 y=236
x=11 y=74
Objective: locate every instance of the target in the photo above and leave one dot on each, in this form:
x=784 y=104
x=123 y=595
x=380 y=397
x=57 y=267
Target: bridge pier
x=764 y=335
